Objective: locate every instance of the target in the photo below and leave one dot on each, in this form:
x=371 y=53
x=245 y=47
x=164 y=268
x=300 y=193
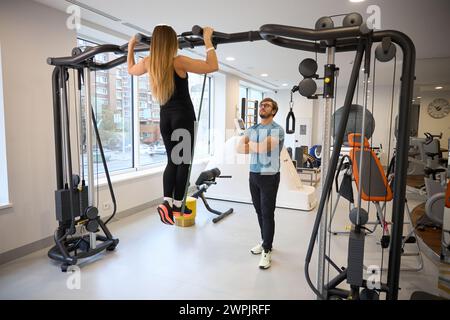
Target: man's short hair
x=274 y=104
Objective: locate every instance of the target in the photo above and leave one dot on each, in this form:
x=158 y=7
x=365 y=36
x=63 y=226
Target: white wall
x=432 y=125
x=220 y=110
x=232 y=103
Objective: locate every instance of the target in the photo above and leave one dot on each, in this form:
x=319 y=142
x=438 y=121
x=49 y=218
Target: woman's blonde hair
x=163 y=49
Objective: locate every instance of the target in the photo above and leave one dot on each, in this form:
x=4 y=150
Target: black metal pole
x=57 y=127
x=105 y=165
x=401 y=159
x=67 y=144
x=295 y=44
x=193 y=141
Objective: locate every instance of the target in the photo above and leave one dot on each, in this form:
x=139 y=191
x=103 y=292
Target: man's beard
x=263 y=116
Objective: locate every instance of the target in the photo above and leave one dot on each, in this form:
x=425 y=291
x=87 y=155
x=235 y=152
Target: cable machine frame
x=342 y=39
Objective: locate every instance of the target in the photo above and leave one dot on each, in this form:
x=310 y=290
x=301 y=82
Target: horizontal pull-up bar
x=343 y=38
x=189 y=39
x=312 y=34
x=89 y=53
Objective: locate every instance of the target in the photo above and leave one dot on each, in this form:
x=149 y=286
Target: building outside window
x=114 y=120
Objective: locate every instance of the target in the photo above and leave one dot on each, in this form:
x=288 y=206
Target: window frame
x=5 y=199
x=248 y=87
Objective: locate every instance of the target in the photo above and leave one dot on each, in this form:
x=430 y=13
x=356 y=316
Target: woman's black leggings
x=177 y=169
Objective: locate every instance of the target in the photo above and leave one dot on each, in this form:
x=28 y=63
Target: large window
x=128 y=118
x=242 y=93
x=4 y=198
x=151 y=146
x=111 y=92
x=250 y=93
x=205 y=132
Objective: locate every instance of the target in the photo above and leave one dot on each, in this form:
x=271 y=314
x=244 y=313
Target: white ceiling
x=426 y=22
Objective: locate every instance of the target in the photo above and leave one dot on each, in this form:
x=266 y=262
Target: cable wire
x=389 y=146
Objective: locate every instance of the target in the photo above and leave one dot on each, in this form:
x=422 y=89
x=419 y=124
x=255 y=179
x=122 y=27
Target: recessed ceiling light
x=264 y=75
x=419 y=97
x=438 y=88
x=284 y=84
x=230 y=58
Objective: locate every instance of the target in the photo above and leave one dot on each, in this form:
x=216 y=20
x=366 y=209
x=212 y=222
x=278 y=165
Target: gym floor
x=207 y=261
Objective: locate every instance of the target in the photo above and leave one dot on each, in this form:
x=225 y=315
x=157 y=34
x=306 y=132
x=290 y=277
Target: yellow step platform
x=191 y=204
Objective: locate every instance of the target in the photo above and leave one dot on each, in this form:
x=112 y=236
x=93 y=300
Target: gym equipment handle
x=198 y=31
x=83 y=57
x=290 y=119
x=142 y=38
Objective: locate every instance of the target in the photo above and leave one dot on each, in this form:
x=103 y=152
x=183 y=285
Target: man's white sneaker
x=257 y=249
x=266 y=258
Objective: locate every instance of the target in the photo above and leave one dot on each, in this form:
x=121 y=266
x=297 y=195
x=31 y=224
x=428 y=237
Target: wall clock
x=438 y=108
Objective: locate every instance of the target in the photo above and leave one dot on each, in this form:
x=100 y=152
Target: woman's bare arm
x=196 y=65
x=135 y=69
x=201 y=66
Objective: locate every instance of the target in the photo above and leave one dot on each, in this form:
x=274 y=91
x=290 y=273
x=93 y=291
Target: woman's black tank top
x=180 y=99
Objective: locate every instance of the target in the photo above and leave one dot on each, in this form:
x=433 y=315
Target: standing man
x=264 y=142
